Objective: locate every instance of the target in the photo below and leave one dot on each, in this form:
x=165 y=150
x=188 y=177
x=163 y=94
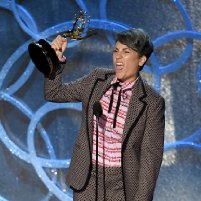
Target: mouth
x=119 y=66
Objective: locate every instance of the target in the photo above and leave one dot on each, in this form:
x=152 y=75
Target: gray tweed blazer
x=143 y=140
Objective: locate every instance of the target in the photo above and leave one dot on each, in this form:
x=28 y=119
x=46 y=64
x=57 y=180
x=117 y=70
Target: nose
x=119 y=55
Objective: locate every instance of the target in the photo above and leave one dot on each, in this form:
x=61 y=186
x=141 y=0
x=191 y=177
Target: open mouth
x=119 y=66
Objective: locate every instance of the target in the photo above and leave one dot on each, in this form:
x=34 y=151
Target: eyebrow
x=126 y=48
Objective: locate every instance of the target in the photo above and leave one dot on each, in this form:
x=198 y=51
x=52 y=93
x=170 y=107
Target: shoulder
x=100 y=73
x=103 y=71
x=152 y=94
x=96 y=74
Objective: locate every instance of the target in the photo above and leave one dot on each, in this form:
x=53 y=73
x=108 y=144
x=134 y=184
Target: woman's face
x=126 y=62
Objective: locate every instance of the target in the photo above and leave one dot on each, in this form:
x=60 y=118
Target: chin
x=118 y=77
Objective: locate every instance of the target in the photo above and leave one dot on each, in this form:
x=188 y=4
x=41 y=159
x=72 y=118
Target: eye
x=115 y=50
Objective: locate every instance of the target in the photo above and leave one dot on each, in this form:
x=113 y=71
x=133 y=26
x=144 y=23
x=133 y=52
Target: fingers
x=59 y=44
x=64 y=44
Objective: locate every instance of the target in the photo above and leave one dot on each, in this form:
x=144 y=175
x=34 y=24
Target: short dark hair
x=138 y=40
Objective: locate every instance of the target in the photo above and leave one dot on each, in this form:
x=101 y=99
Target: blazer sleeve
x=56 y=91
x=151 y=151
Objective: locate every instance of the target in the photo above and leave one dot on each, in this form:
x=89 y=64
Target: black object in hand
x=43 y=55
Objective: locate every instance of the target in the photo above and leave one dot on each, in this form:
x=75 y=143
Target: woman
x=130 y=129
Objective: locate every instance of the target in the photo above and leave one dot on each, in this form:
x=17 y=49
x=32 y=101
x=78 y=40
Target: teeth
x=119 y=64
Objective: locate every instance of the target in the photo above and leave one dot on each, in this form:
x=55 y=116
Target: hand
x=59 y=44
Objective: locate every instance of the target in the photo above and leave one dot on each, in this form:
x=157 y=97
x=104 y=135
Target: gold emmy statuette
x=43 y=55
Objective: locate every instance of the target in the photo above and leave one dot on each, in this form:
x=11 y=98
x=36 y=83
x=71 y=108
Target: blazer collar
x=136 y=107
x=101 y=84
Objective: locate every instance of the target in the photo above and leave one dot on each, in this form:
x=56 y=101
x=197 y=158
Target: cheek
x=132 y=67
x=113 y=59
x=131 y=60
x=131 y=64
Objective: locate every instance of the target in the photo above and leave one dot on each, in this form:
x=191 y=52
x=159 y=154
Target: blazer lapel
x=136 y=107
x=101 y=85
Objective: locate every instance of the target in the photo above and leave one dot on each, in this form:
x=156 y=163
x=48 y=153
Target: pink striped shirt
x=109 y=138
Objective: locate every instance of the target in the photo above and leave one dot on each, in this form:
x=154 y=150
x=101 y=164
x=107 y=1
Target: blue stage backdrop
x=36 y=137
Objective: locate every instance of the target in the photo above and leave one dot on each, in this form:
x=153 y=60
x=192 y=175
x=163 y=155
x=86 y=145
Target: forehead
x=121 y=45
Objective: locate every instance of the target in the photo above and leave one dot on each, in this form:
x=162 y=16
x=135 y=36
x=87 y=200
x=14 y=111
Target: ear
x=142 y=60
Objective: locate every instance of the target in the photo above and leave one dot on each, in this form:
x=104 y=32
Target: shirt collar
x=124 y=86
